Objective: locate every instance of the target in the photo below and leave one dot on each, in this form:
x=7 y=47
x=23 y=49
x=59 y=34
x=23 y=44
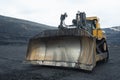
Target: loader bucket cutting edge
x=66 y=51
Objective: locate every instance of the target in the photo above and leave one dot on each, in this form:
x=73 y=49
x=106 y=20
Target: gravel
x=12 y=67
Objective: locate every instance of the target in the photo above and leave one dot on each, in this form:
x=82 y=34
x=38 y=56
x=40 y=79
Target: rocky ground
x=14 y=36
x=13 y=67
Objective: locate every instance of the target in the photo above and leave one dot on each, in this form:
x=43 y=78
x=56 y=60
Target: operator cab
x=81 y=22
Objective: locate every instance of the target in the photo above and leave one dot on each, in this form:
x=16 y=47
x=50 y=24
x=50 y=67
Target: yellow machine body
x=79 y=47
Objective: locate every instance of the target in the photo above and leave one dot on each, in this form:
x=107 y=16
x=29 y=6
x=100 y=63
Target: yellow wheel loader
x=79 y=45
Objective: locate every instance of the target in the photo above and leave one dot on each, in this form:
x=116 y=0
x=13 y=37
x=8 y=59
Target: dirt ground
x=13 y=67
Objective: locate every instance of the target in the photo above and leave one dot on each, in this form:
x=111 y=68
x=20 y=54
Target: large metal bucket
x=77 y=52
